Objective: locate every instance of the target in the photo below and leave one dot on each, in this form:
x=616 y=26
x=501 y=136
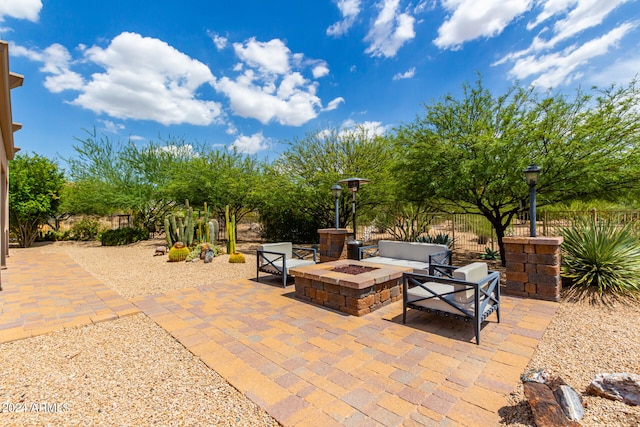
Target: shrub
x=123 y=236
x=439 y=239
x=601 y=257
x=490 y=255
x=85 y=229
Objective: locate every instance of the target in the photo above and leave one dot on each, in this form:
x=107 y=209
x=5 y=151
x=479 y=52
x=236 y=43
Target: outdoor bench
x=418 y=256
x=278 y=258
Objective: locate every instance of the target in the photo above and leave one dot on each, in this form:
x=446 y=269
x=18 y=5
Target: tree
x=299 y=182
x=111 y=176
x=34 y=194
x=219 y=177
x=469 y=153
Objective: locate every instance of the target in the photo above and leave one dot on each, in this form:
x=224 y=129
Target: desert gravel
x=132 y=372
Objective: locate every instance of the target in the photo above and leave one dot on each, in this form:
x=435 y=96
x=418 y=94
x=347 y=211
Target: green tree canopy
x=298 y=184
x=35 y=183
x=468 y=153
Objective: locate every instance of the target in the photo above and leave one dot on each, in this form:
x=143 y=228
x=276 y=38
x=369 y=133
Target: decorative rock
x=208 y=256
x=535 y=376
x=570 y=402
x=546 y=411
x=160 y=251
x=624 y=387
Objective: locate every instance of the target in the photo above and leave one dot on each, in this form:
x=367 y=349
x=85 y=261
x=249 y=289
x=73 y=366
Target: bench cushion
x=284 y=247
x=438 y=303
x=417 y=266
x=291 y=263
x=412 y=251
x=473 y=272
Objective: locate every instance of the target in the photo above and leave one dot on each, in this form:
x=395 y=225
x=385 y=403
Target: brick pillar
x=533 y=267
x=332 y=244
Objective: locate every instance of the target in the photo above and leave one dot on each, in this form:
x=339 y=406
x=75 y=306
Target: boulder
x=208 y=257
x=624 y=387
x=570 y=402
x=160 y=251
x=547 y=412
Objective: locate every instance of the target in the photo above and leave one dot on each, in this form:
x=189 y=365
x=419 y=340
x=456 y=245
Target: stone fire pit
x=349 y=286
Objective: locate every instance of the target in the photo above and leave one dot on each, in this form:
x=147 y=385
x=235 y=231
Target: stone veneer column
x=332 y=244
x=533 y=267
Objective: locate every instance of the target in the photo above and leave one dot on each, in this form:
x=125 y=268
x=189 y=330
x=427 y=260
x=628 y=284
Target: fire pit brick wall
x=533 y=267
x=356 y=302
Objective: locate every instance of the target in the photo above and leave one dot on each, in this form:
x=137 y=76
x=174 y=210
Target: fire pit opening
x=354 y=269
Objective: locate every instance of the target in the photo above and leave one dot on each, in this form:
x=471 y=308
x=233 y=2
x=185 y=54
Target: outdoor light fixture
x=531 y=174
x=354 y=184
x=336 y=190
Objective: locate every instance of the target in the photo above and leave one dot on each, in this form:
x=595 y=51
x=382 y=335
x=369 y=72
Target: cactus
x=213 y=231
x=237 y=258
x=178 y=230
x=178 y=252
x=195 y=253
x=167 y=232
x=231 y=231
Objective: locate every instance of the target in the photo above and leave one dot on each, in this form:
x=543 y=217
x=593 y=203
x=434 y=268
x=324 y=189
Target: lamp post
x=336 y=190
x=531 y=175
x=354 y=184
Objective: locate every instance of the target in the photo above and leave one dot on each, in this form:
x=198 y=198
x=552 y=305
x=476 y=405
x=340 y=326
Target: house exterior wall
x=8 y=81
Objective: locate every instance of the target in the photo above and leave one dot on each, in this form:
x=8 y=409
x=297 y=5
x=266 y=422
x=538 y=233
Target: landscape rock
x=208 y=256
x=624 y=387
x=160 y=250
x=570 y=402
x=535 y=375
x=547 y=412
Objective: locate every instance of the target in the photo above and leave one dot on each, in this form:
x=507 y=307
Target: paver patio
x=305 y=365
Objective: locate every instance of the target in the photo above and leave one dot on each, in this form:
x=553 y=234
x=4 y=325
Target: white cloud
x=320 y=71
x=390 y=30
x=146 y=79
x=370 y=128
x=350 y=9
x=56 y=62
x=471 y=19
x=185 y=151
x=333 y=104
x=251 y=144
x=112 y=127
x=219 y=41
x=268 y=57
x=20 y=9
x=556 y=56
x=560 y=67
x=621 y=71
x=272 y=86
x=406 y=75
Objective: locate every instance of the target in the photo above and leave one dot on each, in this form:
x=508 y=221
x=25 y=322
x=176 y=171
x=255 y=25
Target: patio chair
x=470 y=293
x=278 y=258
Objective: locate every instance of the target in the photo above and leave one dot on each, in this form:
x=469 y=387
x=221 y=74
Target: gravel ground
x=128 y=372
x=148 y=378
x=583 y=340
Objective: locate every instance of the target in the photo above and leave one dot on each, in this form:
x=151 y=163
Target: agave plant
x=440 y=239
x=602 y=257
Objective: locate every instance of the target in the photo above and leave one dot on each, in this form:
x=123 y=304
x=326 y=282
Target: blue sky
x=254 y=74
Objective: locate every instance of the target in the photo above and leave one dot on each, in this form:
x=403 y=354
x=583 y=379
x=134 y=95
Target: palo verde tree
x=110 y=176
x=299 y=182
x=220 y=178
x=35 y=183
x=469 y=152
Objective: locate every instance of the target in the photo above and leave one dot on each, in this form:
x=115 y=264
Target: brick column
x=533 y=267
x=332 y=244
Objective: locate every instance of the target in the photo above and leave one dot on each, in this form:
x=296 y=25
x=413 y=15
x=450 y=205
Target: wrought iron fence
x=474 y=233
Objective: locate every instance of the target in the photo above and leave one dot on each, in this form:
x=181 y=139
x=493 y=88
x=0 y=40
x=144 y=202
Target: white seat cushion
x=473 y=272
x=291 y=263
x=412 y=251
x=417 y=266
x=437 y=303
x=285 y=248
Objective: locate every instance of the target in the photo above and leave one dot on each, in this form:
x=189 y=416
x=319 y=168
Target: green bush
x=438 y=239
x=123 y=236
x=85 y=229
x=602 y=257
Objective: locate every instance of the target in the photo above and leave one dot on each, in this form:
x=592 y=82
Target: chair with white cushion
x=470 y=293
x=278 y=258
